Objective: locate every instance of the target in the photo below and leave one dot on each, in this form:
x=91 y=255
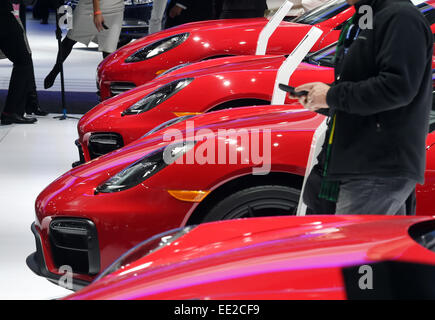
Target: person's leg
x=13 y=45
x=23 y=14
x=374 y=196
x=411 y=204
x=155 y=23
x=66 y=46
x=311 y=195
x=32 y=102
x=44 y=11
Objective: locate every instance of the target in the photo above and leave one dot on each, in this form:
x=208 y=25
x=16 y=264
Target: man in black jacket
x=374 y=152
x=237 y=9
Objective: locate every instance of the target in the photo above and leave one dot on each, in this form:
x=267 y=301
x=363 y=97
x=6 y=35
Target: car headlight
x=145 y=248
x=157 y=97
x=145 y=168
x=157 y=48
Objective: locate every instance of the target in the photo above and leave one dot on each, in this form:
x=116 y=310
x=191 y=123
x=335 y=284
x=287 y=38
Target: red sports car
x=94 y=213
x=145 y=59
x=236 y=81
x=271 y=258
x=201 y=87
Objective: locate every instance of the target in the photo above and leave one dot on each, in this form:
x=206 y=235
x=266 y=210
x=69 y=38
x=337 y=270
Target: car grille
x=74 y=243
x=103 y=143
x=120 y=87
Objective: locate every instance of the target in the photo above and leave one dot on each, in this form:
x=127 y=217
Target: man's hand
x=175 y=11
x=316 y=98
x=98 y=21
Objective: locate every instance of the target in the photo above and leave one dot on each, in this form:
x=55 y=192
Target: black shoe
x=15 y=118
x=40 y=112
x=37 y=112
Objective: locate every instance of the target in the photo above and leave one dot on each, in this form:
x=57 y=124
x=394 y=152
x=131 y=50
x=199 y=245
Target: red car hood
x=254 y=25
x=288 y=117
x=230 y=64
x=264 y=257
x=118 y=104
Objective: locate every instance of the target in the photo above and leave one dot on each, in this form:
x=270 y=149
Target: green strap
x=330 y=189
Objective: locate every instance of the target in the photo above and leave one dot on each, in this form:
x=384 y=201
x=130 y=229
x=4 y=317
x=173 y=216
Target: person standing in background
x=237 y=9
x=13 y=44
x=312 y=4
x=297 y=9
x=185 y=11
x=94 y=20
x=159 y=8
x=32 y=101
x=43 y=9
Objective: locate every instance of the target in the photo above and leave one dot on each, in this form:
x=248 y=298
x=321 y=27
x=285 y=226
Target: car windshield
x=322 y=13
x=324 y=57
x=424 y=234
x=428 y=11
x=432 y=121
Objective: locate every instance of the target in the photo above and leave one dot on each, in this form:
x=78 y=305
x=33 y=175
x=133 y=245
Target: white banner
x=292 y=62
x=270 y=28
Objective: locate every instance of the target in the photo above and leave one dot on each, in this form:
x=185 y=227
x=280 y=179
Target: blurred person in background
x=299 y=6
x=184 y=11
x=14 y=45
x=32 y=101
x=41 y=9
x=99 y=21
x=236 y=9
x=157 y=14
x=312 y=4
x=297 y=9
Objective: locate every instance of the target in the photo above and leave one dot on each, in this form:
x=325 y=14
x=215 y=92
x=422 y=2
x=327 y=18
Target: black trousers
x=14 y=47
x=320 y=206
x=32 y=101
x=42 y=8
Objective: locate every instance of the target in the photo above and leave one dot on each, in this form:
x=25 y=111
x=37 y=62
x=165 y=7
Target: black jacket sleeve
x=401 y=60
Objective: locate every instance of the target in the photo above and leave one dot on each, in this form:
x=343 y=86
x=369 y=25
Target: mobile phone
x=105 y=27
x=292 y=91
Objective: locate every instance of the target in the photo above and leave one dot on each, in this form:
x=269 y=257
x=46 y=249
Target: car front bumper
x=36 y=262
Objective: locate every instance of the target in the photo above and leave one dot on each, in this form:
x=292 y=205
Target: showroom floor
x=31 y=156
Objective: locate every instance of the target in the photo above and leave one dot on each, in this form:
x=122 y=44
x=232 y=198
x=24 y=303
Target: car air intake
x=74 y=242
x=102 y=143
x=120 y=87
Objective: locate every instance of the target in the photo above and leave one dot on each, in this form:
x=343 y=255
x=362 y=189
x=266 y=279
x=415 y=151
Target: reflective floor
x=31 y=156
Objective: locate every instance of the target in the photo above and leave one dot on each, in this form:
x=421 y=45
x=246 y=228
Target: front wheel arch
x=239 y=184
